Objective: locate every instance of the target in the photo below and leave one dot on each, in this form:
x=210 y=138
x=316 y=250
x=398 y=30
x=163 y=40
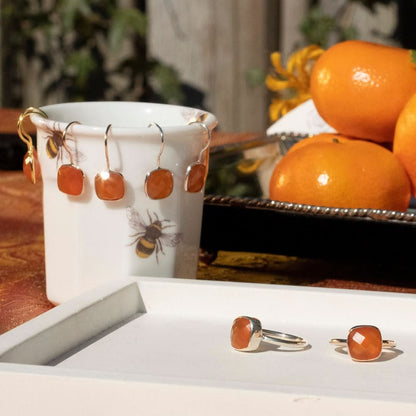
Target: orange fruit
x=404 y=143
x=344 y=173
x=318 y=138
x=359 y=88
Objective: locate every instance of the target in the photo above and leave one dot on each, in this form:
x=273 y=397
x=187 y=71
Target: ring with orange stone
x=247 y=334
x=364 y=343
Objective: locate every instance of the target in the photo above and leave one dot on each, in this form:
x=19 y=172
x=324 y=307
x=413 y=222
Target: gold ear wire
x=109 y=185
x=162 y=144
x=71 y=159
x=158 y=183
x=208 y=138
x=31 y=166
x=107 y=159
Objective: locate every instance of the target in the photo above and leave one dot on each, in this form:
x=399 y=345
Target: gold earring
x=109 y=185
x=196 y=172
x=158 y=183
x=31 y=165
x=70 y=177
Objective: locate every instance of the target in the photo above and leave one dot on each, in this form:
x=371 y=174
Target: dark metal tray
x=264 y=226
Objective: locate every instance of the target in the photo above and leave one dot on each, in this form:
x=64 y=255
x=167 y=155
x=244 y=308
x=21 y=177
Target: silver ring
x=247 y=334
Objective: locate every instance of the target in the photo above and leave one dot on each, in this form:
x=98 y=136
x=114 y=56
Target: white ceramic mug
x=89 y=240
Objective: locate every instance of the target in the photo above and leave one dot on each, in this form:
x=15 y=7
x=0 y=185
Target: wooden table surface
x=22 y=261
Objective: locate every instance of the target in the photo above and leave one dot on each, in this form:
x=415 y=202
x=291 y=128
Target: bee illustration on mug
x=55 y=142
x=151 y=237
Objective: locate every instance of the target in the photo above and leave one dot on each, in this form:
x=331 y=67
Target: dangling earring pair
x=109 y=185
x=31 y=165
x=159 y=182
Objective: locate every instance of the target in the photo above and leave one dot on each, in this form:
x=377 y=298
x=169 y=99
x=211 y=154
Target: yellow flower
x=291 y=85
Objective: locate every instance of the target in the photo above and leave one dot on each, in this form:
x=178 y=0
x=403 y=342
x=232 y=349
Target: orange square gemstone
x=364 y=343
x=70 y=180
x=109 y=185
x=241 y=333
x=159 y=183
x=195 y=179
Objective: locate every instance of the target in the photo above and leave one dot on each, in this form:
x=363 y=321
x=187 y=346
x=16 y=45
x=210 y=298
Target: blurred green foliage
x=318 y=26
x=86 y=49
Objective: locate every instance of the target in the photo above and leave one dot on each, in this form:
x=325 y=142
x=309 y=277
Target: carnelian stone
x=240 y=333
x=31 y=166
x=196 y=177
x=364 y=343
x=159 y=183
x=70 y=180
x=109 y=185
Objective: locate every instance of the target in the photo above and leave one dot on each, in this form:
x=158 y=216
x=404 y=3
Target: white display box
x=160 y=346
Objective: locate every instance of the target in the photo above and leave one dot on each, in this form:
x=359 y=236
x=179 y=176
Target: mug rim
x=98 y=130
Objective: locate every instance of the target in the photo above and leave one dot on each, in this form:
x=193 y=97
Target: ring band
x=247 y=334
x=342 y=342
x=364 y=343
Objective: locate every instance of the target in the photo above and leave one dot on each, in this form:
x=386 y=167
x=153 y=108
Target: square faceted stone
x=241 y=333
x=109 y=185
x=195 y=179
x=159 y=183
x=70 y=180
x=364 y=343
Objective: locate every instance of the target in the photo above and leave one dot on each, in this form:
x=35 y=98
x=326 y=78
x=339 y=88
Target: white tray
x=155 y=346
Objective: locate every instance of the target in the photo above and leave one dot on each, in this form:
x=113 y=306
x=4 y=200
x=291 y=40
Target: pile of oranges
x=367 y=93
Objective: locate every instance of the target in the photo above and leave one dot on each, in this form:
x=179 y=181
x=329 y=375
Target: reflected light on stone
x=105 y=174
x=358 y=338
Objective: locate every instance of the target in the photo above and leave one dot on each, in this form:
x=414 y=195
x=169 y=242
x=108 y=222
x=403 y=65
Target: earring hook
x=208 y=137
x=24 y=136
x=31 y=167
x=64 y=140
x=158 y=183
x=162 y=145
x=106 y=147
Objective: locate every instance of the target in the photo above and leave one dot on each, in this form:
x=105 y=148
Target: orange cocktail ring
x=364 y=343
x=247 y=333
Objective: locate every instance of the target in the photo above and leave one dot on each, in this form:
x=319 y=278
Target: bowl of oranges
x=366 y=92
x=343 y=188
